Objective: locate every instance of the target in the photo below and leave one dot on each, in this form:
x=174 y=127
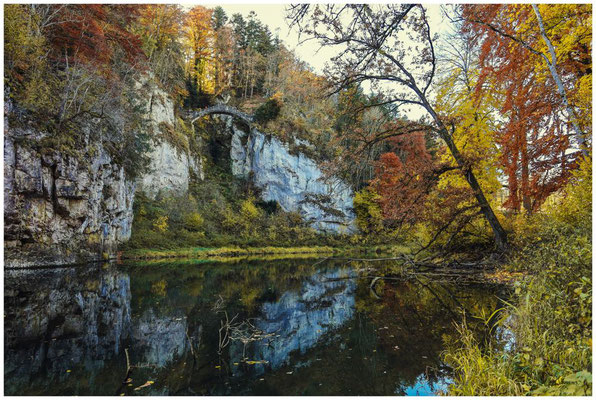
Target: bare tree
x=391 y=48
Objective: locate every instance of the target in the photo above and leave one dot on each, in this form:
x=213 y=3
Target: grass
x=204 y=252
x=549 y=316
x=199 y=253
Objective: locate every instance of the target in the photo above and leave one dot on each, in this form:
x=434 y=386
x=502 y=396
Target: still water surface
x=285 y=327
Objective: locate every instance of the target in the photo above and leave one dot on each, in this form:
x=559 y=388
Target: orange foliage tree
x=536 y=138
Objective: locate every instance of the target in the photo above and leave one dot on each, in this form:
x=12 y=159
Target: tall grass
x=550 y=314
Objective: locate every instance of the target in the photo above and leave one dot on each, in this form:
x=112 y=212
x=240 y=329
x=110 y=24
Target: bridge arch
x=221 y=109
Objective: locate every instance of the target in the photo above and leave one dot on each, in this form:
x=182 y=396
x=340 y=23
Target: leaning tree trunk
x=485 y=208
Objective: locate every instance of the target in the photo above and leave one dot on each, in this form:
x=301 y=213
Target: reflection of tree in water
x=410 y=310
x=392 y=346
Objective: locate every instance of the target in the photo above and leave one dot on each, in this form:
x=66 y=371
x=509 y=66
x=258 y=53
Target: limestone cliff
x=295 y=181
x=66 y=207
x=61 y=208
x=170 y=167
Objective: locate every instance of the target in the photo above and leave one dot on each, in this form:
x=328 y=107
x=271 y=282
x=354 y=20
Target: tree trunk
x=552 y=66
x=525 y=176
x=485 y=208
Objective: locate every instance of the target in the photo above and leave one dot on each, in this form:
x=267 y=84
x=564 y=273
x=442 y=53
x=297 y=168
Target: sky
x=274 y=16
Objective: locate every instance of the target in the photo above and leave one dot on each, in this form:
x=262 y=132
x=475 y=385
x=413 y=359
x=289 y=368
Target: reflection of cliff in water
x=66 y=330
x=70 y=322
x=60 y=318
x=300 y=318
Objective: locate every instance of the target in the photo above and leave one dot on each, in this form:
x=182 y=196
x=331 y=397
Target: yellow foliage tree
x=199 y=40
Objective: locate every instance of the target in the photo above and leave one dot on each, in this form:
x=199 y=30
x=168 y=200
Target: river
x=240 y=327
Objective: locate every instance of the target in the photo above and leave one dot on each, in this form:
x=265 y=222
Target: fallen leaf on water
x=69 y=371
x=148 y=383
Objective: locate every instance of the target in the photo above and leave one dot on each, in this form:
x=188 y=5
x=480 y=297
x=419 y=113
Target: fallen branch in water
x=244 y=332
x=192 y=347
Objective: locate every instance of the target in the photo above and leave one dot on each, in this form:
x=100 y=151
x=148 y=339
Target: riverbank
x=549 y=315
x=236 y=251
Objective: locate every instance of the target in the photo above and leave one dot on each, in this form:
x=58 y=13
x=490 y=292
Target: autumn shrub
x=220 y=211
x=369 y=217
x=67 y=76
x=194 y=222
x=550 y=313
x=268 y=111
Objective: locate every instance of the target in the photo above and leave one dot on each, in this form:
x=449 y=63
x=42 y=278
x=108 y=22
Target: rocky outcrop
x=171 y=167
x=66 y=207
x=294 y=181
x=61 y=208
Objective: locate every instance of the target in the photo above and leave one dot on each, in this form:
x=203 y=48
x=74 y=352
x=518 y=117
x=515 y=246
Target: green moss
x=176 y=136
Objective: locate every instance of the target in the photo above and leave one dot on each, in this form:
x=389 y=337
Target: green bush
x=268 y=111
x=219 y=212
x=550 y=315
x=194 y=222
x=369 y=218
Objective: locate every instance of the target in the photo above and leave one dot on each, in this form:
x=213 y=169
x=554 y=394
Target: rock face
x=293 y=180
x=61 y=208
x=63 y=323
x=170 y=167
x=302 y=318
x=68 y=207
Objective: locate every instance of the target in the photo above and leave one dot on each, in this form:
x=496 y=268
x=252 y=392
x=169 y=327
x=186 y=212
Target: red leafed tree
x=93 y=34
x=407 y=181
x=536 y=153
x=403 y=181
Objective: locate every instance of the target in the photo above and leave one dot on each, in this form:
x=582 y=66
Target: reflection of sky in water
x=505 y=335
x=424 y=388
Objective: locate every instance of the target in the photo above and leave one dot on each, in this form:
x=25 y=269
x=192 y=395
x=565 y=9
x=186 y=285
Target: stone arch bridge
x=221 y=109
